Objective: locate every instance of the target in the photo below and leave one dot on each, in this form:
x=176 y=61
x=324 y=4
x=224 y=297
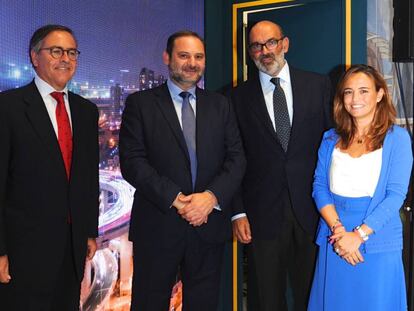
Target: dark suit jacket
x=154 y=160
x=35 y=194
x=269 y=170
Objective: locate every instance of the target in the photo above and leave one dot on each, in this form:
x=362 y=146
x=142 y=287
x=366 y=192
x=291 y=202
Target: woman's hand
x=354 y=258
x=338 y=232
x=346 y=243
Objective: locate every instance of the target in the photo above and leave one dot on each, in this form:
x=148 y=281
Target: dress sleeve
x=321 y=193
x=398 y=176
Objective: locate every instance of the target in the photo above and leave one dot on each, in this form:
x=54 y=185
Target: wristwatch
x=362 y=233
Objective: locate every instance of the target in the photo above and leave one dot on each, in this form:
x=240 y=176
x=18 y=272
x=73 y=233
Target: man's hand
x=91 y=249
x=241 y=229
x=197 y=207
x=178 y=204
x=4 y=269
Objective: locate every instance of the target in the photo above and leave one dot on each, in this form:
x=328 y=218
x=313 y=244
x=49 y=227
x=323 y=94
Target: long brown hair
x=384 y=116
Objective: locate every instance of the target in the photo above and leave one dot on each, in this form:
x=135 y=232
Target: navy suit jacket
x=155 y=160
x=269 y=169
x=35 y=194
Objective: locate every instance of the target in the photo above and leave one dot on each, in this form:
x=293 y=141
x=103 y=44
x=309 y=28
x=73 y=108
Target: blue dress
x=376 y=284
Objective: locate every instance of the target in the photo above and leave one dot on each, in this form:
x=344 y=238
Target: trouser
x=280 y=266
x=63 y=295
x=155 y=269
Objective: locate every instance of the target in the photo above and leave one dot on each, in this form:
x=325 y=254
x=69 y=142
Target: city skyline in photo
x=121 y=44
x=116 y=39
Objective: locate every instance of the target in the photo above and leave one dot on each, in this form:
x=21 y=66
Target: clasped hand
x=346 y=244
x=4 y=269
x=195 y=207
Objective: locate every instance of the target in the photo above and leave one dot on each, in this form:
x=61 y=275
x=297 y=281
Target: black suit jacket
x=154 y=160
x=270 y=170
x=35 y=194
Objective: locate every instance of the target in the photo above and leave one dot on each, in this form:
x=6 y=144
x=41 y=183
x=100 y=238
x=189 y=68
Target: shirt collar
x=45 y=88
x=284 y=76
x=175 y=90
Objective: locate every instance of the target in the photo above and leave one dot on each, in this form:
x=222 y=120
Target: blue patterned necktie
x=189 y=131
x=282 y=121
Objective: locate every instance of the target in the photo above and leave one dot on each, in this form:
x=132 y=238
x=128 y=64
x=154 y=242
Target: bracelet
x=362 y=233
x=336 y=224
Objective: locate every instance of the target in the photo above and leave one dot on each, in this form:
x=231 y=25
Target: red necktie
x=64 y=131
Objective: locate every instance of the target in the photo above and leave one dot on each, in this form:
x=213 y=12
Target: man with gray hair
x=282 y=114
x=49 y=185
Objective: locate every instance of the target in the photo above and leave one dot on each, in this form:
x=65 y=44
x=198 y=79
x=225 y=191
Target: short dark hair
x=42 y=32
x=179 y=34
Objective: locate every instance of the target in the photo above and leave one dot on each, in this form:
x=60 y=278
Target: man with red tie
x=49 y=185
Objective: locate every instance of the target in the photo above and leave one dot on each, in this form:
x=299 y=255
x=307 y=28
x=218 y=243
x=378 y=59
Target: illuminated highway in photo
x=102 y=272
x=114 y=215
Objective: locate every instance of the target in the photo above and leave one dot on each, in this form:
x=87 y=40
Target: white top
x=355 y=177
x=45 y=89
x=268 y=88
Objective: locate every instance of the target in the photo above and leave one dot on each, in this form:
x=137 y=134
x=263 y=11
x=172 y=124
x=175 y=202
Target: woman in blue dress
x=361 y=181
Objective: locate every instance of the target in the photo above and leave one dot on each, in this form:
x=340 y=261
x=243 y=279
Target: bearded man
x=282 y=113
x=180 y=148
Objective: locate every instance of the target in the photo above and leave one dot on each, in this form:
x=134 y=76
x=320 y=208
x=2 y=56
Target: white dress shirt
x=268 y=88
x=45 y=89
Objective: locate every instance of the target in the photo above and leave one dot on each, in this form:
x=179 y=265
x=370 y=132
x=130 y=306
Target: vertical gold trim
x=235 y=251
x=234 y=22
x=235 y=273
x=348 y=34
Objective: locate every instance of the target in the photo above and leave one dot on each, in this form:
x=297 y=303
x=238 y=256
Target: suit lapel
x=299 y=101
x=257 y=104
x=166 y=106
x=203 y=124
x=39 y=118
x=77 y=130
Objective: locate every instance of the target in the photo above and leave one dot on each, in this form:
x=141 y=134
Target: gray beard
x=272 y=69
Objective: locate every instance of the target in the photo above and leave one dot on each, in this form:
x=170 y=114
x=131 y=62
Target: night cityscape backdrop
x=121 y=44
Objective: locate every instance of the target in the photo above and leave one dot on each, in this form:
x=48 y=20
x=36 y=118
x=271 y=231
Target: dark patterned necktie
x=189 y=130
x=282 y=121
x=64 y=131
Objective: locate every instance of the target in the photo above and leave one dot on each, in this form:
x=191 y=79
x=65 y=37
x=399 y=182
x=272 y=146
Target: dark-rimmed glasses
x=269 y=44
x=57 y=52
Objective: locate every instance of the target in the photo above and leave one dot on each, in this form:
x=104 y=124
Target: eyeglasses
x=270 y=45
x=57 y=52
